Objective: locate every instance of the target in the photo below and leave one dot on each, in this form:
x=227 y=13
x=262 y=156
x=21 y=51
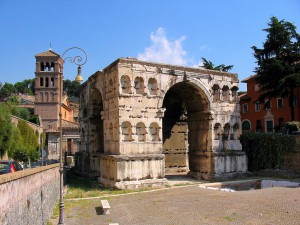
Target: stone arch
x=226 y=131
x=152 y=86
x=139 y=85
x=217 y=131
x=234 y=93
x=235 y=131
x=96 y=122
x=125 y=84
x=187 y=129
x=216 y=93
x=154 y=132
x=126 y=131
x=225 y=93
x=140 y=132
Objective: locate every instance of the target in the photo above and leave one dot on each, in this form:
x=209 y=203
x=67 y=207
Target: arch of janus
x=140 y=121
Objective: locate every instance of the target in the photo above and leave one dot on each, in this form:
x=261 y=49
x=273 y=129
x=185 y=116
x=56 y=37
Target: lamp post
x=79 y=62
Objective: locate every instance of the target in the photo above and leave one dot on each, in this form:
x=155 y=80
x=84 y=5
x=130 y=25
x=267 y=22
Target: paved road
x=192 y=205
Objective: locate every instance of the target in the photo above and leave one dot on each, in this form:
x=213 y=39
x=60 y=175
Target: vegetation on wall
x=266 y=150
x=19 y=142
x=6 y=139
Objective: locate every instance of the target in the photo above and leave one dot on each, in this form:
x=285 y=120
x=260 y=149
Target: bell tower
x=48 y=87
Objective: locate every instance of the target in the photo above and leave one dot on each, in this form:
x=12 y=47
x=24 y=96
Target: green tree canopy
x=7 y=90
x=6 y=139
x=278 y=62
x=71 y=88
x=210 y=66
x=21 y=113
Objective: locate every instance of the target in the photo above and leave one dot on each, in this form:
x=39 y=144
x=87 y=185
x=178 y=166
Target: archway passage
x=96 y=134
x=185 y=128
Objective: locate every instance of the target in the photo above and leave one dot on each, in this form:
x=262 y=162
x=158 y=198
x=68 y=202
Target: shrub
x=292 y=126
x=266 y=150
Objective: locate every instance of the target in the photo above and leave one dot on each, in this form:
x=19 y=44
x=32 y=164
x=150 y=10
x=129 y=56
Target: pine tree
x=278 y=62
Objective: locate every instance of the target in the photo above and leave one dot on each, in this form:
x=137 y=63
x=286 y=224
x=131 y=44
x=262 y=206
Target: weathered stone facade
x=141 y=120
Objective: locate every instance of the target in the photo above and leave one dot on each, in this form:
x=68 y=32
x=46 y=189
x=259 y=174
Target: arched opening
x=186 y=130
x=95 y=134
x=96 y=122
x=125 y=84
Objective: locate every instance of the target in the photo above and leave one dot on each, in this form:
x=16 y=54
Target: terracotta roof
x=47 y=53
x=68 y=124
x=244 y=96
x=249 y=78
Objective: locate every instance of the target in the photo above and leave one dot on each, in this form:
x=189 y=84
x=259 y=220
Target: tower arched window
x=47 y=82
x=52 y=66
x=42 y=81
x=42 y=66
x=52 y=82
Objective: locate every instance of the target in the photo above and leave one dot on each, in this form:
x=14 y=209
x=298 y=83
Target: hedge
x=266 y=150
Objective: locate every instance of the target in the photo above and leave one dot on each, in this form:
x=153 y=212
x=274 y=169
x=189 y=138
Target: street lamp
x=78 y=61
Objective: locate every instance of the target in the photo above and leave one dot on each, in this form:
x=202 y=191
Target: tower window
x=47 y=82
x=52 y=81
x=41 y=81
x=42 y=66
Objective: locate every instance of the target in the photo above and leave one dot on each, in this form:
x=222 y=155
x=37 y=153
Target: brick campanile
x=48 y=74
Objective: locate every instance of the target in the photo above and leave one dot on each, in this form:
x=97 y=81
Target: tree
x=21 y=113
x=210 y=66
x=278 y=62
x=25 y=87
x=6 y=139
x=7 y=90
x=71 y=88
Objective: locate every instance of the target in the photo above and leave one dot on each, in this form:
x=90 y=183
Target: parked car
x=9 y=166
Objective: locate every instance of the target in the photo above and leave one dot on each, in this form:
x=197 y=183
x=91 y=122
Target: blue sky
x=174 y=32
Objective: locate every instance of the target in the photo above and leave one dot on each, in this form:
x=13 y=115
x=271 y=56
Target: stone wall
x=29 y=196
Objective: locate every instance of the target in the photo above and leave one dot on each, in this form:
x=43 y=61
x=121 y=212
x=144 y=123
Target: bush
x=292 y=126
x=266 y=150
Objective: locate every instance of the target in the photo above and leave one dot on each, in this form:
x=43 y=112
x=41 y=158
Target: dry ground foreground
x=187 y=205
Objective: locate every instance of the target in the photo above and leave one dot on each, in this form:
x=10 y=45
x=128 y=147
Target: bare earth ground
x=187 y=205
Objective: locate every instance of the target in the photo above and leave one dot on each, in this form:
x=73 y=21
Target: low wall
x=29 y=196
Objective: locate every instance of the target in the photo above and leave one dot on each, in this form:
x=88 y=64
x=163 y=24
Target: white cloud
x=205 y=48
x=164 y=50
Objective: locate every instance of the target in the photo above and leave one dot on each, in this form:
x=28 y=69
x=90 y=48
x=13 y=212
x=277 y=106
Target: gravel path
x=191 y=205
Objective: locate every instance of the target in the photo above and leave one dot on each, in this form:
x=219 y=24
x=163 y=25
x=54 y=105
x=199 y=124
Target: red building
x=269 y=116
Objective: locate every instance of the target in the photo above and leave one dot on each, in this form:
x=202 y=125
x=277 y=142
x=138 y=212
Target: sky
x=178 y=32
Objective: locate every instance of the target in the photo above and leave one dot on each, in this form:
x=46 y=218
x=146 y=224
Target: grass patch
x=231 y=217
x=82 y=187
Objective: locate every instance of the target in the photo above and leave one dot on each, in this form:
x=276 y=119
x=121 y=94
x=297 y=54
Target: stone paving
x=189 y=205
